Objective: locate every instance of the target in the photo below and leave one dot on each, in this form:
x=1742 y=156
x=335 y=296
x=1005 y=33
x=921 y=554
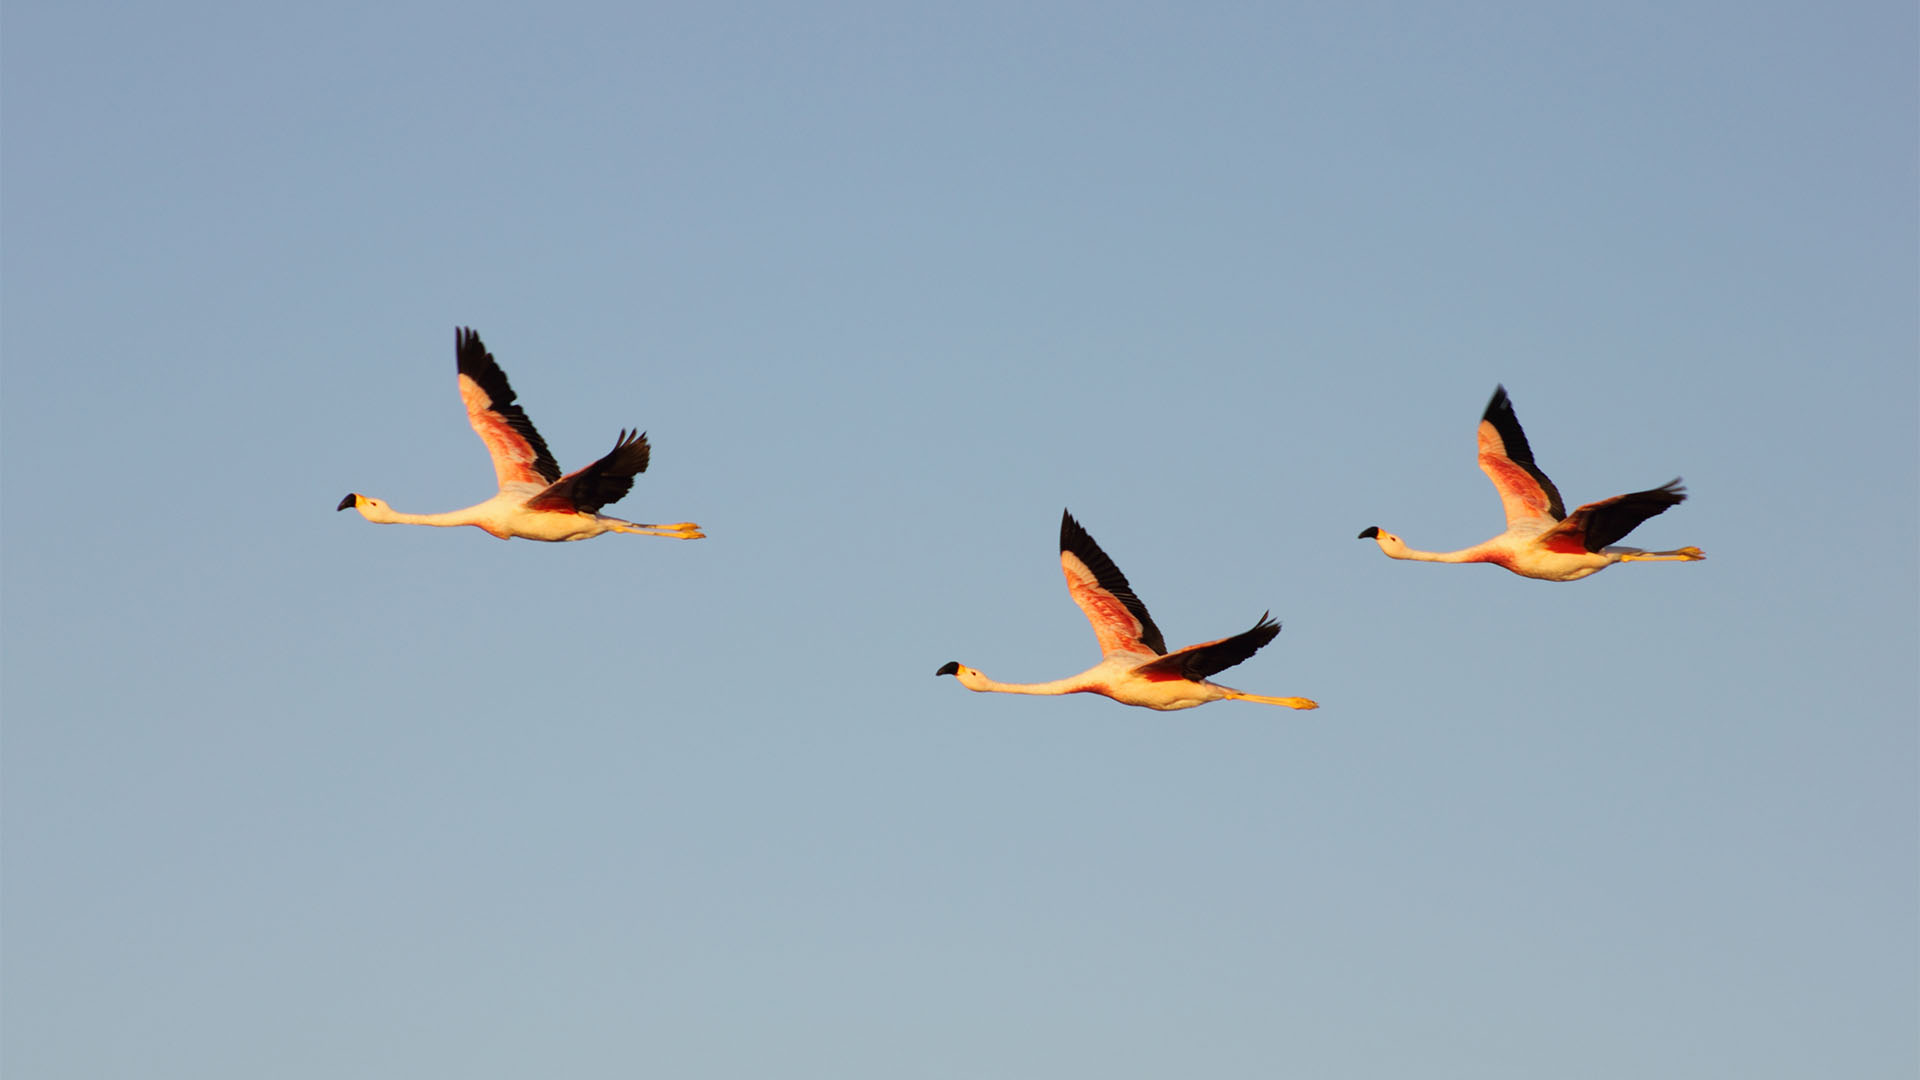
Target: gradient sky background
x=288 y=794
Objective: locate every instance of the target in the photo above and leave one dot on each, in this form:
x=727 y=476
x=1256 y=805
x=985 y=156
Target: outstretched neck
x=390 y=516
x=1464 y=555
x=973 y=680
x=1395 y=548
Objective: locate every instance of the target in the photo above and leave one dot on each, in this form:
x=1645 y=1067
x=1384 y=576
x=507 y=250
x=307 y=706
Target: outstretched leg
x=1685 y=554
x=682 y=530
x=1289 y=702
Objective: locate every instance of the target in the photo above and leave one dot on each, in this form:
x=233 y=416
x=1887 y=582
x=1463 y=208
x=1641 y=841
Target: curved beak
x=1372 y=533
x=346 y=502
x=951 y=667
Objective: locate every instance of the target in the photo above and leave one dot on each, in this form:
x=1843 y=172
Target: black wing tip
x=1371 y=532
x=631 y=454
x=951 y=667
x=1663 y=498
x=475 y=362
x=1667 y=495
x=346 y=502
x=1074 y=537
x=1500 y=414
x=1499 y=404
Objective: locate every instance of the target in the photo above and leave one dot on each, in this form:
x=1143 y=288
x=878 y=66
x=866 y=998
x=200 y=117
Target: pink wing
x=1120 y=621
x=1525 y=492
x=520 y=455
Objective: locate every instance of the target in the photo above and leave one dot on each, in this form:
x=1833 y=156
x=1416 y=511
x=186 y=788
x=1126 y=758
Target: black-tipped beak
x=346 y=502
x=951 y=667
x=1372 y=533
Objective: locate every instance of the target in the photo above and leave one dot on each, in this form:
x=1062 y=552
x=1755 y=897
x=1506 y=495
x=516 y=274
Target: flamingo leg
x=1289 y=702
x=682 y=530
x=1685 y=554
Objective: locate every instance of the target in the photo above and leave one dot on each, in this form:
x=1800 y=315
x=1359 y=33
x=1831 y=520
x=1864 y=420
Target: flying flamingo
x=535 y=502
x=1135 y=666
x=1543 y=540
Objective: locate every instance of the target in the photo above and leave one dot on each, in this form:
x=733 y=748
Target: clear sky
x=289 y=794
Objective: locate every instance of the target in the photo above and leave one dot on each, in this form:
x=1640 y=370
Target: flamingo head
x=370 y=508
x=968 y=677
x=1394 y=546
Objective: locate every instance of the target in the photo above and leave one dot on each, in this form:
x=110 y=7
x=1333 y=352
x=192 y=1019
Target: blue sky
x=291 y=794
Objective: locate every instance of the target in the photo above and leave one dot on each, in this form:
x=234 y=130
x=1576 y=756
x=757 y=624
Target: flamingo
x=1543 y=540
x=535 y=502
x=1135 y=666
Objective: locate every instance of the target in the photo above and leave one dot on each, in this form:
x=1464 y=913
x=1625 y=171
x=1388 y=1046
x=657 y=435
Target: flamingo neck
x=985 y=685
x=390 y=516
x=1464 y=555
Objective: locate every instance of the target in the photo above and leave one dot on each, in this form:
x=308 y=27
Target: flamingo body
x=1136 y=668
x=535 y=502
x=1543 y=540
